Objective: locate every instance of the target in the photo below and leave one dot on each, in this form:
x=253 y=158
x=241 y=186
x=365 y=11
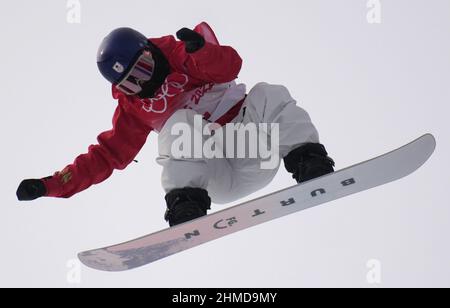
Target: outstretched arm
x=207 y=60
x=116 y=149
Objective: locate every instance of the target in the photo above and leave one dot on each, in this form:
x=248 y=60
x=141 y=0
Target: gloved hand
x=30 y=190
x=192 y=40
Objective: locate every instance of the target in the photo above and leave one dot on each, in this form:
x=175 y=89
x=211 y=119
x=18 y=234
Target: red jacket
x=134 y=118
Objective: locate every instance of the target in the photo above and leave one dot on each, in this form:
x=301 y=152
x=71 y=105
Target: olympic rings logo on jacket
x=162 y=97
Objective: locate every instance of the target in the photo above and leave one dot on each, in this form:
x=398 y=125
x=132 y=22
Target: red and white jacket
x=202 y=81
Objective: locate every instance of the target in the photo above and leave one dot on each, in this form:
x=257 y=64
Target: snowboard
x=363 y=176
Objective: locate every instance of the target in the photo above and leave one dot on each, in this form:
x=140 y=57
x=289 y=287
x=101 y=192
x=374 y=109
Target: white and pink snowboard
x=363 y=176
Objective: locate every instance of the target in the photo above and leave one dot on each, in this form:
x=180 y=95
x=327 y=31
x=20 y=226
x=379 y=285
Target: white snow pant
x=230 y=179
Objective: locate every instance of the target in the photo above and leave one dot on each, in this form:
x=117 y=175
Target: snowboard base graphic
x=360 y=177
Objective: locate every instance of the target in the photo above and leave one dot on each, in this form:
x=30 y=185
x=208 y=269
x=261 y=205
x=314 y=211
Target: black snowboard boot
x=186 y=204
x=308 y=162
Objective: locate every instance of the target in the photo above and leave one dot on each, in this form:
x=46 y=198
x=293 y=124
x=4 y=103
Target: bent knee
x=269 y=90
x=181 y=116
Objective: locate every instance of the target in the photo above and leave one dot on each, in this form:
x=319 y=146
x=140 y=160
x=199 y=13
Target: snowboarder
x=161 y=82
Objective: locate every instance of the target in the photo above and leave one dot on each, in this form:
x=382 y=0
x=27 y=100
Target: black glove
x=30 y=190
x=192 y=40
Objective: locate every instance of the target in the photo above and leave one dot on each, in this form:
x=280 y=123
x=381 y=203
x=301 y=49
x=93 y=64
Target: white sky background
x=368 y=87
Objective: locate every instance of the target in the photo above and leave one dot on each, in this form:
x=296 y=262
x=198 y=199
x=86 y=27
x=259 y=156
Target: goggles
x=139 y=73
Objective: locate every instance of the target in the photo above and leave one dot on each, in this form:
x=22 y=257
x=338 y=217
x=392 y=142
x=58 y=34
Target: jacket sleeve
x=116 y=149
x=214 y=63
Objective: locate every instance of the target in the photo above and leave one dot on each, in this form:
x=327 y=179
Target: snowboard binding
x=308 y=162
x=186 y=204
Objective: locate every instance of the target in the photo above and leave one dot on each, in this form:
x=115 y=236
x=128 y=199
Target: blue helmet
x=118 y=53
